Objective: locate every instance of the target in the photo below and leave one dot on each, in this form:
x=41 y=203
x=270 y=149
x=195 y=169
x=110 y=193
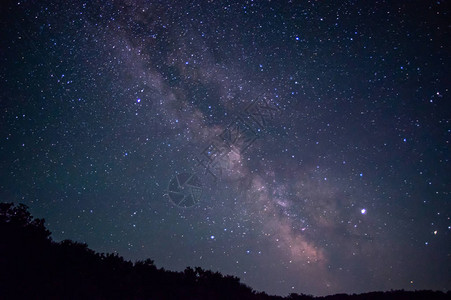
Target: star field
x=319 y=133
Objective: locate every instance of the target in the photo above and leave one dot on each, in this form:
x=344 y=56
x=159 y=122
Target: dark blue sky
x=318 y=135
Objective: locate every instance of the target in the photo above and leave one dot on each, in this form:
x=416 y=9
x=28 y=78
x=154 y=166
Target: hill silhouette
x=32 y=266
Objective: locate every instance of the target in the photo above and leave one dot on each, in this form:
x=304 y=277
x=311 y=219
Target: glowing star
x=363 y=211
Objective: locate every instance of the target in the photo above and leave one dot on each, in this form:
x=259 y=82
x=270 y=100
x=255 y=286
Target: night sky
x=302 y=146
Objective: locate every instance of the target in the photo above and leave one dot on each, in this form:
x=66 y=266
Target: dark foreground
x=32 y=266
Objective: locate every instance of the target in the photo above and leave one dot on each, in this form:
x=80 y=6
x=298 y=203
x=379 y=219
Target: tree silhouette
x=32 y=266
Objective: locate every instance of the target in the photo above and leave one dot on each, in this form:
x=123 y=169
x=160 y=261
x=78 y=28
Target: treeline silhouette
x=32 y=266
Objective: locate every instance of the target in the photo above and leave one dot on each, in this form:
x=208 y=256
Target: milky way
x=318 y=135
